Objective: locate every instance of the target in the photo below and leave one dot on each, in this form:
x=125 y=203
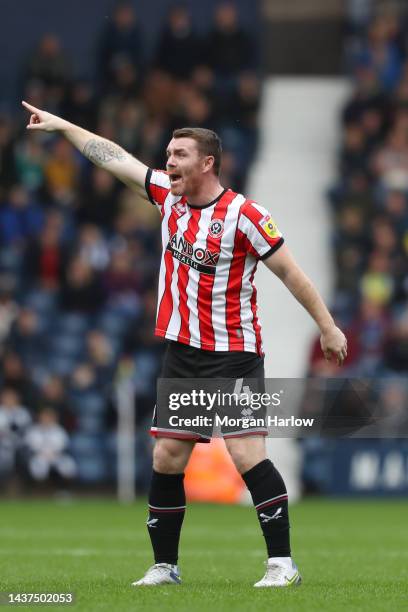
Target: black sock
x=270 y=499
x=167 y=504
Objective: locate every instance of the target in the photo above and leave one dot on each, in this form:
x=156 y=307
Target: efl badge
x=216 y=228
x=269 y=227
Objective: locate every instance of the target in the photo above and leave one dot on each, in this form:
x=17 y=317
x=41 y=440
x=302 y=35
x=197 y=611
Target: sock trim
x=167 y=509
x=272 y=501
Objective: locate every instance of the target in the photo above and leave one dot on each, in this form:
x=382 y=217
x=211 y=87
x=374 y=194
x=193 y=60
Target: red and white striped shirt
x=206 y=296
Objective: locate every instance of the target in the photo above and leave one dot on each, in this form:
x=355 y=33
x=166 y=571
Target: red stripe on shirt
x=254 y=308
x=247 y=246
x=251 y=213
x=158 y=193
x=206 y=282
x=233 y=293
x=166 y=304
x=182 y=282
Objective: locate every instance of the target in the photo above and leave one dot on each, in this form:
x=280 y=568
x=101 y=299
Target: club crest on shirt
x=216 y=228
x=179 y=208
x=269 y=226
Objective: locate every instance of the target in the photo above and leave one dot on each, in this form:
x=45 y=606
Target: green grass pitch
x=352 y=556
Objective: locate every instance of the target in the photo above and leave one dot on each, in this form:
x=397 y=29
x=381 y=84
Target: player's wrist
x=65 y=127
x=327 y=327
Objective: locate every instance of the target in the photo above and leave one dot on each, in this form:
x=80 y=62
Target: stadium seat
x=60 y=364
x=43 y=302
x=67 y=345
x=72 y=323
x=89 y=453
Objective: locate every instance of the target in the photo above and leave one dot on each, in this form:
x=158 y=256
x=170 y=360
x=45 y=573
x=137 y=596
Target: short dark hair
x=208 y=142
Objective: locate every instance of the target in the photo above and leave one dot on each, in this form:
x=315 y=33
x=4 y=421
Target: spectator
x=381 y=53
x=384 y=238
x=92 y=247
x=124 y=84
x=129 y=125
x=101 y=356
x=396 y=209
x=27 y=339
x=160 y=96
x=391 y=162
x=153 y=134
x=62 y=172
x=79 y=105
x=49 y=64
x=8 y=314
x=396 y=348
x=377 y=283
x=229 y=48
x=367 y=95
x=47 y=444
x=14 y=422
x=46 y=256
x=350 y=265
x=373 y=126
x=8 y=172
x=98 y=200
x=30 y=159
x=195 y=109
x=81 y=290
x=121 y=41
x=354 y=153
x=53 y=395
x=121 y=281
x=359 y=13
x=179 y=49
x=20 y=217
x=203 y=79
x=82 y=381
x=370 y=330
x=16 y=377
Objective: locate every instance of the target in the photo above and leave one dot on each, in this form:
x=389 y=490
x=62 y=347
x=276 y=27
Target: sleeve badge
x=269 y=227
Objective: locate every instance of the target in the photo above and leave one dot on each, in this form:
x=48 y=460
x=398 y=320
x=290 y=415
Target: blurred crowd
x=79 y=252
x=369 y=204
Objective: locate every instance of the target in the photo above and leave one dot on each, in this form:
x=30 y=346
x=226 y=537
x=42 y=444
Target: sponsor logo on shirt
x=202 y=260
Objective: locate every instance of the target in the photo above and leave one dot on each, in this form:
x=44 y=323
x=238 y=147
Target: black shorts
x=231 y=368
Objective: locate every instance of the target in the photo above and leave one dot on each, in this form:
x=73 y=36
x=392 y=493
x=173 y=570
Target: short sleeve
x=157 y=185
x=260 y=230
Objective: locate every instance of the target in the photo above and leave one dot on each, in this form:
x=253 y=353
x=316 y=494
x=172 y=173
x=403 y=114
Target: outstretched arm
x=100 y=151
x=332 y=340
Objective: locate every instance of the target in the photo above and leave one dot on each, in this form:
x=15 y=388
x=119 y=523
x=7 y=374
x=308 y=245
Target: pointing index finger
x=29 y=107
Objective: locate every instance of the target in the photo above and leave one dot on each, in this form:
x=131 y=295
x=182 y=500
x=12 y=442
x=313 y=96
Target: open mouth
x=174 y=178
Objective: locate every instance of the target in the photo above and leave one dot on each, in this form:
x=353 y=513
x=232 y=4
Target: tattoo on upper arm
x=102 y=151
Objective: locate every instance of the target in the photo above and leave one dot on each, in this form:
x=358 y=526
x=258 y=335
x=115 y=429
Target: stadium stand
x=369 y=201
x=369 y=206
x=79 y=253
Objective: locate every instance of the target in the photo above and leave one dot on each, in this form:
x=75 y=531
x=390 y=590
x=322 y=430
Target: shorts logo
x=216 y=228
x=269 y=227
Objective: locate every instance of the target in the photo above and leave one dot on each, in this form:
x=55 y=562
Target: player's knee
x=246 y=454
x=168 y=458
x=240 y=459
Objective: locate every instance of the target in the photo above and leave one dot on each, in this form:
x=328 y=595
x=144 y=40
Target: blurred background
x=310 y=99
